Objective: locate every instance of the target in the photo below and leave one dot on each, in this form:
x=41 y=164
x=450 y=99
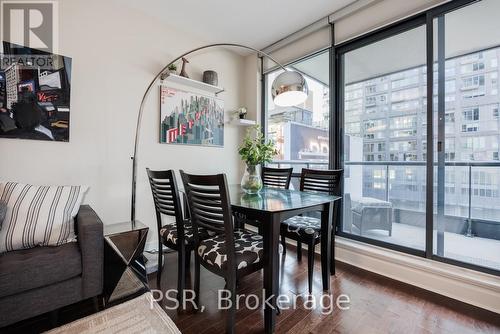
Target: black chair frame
x=327 y=181
x=210 y=209
x=167 y=202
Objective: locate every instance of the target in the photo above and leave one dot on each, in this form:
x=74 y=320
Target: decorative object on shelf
x=34 y=95
x=190 y=118
x=255 y=151
x=242 y=112
x=172 y=69
x=211 y=78
x=292 y=91
x=183 y=69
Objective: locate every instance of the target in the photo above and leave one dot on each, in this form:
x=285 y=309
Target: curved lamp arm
x=146 y=94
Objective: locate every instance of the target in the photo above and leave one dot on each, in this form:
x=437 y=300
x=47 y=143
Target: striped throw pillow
x=38 y=215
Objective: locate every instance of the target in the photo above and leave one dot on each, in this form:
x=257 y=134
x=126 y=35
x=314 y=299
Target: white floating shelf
x=244 y=122
x=177 y=79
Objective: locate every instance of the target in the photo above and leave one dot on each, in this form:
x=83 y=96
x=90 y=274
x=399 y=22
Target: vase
x=211 y=78
x=251 y=182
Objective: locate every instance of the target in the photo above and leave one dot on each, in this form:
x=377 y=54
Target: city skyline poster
x=190 y=118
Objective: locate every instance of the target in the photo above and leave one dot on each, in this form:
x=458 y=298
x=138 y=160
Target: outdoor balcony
x=386 y=201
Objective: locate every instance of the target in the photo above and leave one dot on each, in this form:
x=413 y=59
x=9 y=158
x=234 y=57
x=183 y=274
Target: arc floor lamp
x=288 y=89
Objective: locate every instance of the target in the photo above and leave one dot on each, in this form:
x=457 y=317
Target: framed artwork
x=190 y=118
x=34 y=94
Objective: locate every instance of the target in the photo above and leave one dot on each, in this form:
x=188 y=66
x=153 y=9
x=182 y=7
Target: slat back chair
x=167 y=202
x=230 y=253
x=276 y=177
x=308 y=229
x=327 y=181
x=208 y=202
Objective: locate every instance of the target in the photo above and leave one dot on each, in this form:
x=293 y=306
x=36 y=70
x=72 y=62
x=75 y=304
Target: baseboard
x=469 y=286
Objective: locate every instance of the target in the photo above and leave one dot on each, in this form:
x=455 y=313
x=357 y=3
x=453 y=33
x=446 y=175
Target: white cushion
x=359 y=204
x=38 y=215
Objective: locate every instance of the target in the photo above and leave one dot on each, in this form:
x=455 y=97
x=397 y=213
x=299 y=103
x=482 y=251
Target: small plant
x=172 y=67
x=242 y=112
x=255 y=149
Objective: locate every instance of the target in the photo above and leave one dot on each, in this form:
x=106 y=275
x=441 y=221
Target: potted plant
x=242 y=112
x=254 y=151
x=172 y=69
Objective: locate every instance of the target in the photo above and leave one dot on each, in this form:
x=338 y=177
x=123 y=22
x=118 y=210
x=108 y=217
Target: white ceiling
x=255 y=23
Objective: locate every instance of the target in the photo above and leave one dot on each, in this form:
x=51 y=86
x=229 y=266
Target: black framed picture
x=35 y=93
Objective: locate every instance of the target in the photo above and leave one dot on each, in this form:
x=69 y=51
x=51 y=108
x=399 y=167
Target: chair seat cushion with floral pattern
x=249 y=249
x=304 y=227
x=169 y=233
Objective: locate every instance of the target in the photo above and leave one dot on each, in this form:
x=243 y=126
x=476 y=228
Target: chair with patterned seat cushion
x=307 y=228
x=231 y=253
x=169 y=233
x=178 y=235
x=248 y=249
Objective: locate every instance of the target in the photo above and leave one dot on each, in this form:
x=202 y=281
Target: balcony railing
x=388 y=165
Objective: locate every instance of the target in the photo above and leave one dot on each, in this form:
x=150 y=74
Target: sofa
x=43 y=279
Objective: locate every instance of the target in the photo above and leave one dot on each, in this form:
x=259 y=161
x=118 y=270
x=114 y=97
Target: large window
x=417 y=133
x=301 y=133
x=467 y=219
x=383 y=106
x=384 y=159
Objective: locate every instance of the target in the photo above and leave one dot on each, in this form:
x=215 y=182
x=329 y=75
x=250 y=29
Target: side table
x=124 y=266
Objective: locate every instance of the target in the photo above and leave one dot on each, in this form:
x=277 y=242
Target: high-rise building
x=389 y=113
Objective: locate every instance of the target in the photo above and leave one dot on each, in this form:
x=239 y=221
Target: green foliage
x=172 y=67
x=255 y=149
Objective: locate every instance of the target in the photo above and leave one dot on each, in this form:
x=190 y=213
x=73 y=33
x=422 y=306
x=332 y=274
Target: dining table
x=270 y=207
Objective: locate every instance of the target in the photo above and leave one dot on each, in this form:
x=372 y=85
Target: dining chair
x=231 y=253
x=274 y=178
x=179 y=235
x=307 y=229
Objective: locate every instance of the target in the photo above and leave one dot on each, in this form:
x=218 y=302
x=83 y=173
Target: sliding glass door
x=383 y=97
x=467 y=135
x=424 y=179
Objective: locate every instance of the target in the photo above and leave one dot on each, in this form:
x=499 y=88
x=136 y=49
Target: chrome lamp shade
x=289 y=89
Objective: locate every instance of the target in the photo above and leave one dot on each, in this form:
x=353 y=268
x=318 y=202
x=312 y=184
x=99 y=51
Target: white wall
x=116 y=52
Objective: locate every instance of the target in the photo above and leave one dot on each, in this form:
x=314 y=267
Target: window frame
x=336 y=126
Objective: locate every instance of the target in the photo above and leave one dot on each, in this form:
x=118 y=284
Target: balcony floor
x=479 y=251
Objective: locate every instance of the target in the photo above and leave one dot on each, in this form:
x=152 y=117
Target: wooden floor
x=378 y=305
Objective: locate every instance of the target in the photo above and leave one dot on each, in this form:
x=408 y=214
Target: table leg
x=271 y=226
x=326 y=237
x=336 y=209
